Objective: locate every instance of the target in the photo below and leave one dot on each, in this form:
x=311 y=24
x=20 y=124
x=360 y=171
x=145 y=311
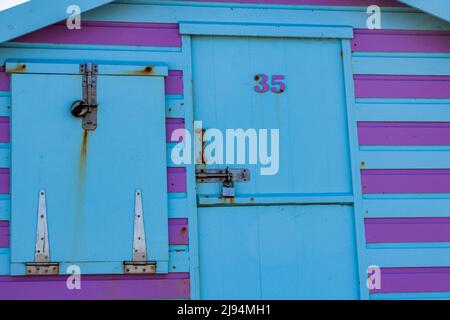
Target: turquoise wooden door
x=290 y=234
x=89 y=177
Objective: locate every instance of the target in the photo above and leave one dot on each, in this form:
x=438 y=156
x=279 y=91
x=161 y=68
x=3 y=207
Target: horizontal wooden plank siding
x=97 y=287
x=394 y=280
x=4 y=181
x=396 y=230
x=404 y=133
x=174 y=82
x=405 y=180
x=4 y=129
x=178 y=231
x=396 y=86
x=173 y=124
x=176 y=179
x=4 y=234
x=366 y=40
x=4 y=80
x=108 y=33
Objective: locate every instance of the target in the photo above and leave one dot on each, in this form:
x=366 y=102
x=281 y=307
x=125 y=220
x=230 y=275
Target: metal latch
x=42 y=264
x=227 y=176
x=139 y=265
x=87 y=108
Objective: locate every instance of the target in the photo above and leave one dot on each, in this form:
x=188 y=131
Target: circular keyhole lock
x=79 y=109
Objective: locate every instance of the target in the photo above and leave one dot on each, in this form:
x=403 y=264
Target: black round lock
x=79 y=109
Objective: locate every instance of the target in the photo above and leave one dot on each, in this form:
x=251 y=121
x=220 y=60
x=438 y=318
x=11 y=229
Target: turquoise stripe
x=402 y=64
x=411 y=296
x=405 y=159
x=169 y=12
x=391 y=208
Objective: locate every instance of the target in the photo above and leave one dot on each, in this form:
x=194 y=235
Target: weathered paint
x=178 y=231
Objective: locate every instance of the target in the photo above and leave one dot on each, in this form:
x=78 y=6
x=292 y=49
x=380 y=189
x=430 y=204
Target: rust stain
x=227 y=200
x=19 y=68
x=80 y=194
x=82 y=163
x=83 y=152
x=183 y=230
x=148 y=70
x=200 y=156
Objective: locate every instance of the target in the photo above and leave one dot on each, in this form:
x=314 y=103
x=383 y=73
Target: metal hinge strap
x=222 y=175
x=139 y=264
x=42 y=265
x=89 y=84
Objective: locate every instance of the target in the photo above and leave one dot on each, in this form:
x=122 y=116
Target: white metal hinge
x=87 y=107
x=139 y=264
x=42 y=264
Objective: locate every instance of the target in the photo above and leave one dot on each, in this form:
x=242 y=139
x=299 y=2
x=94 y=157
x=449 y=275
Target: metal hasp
x=227 y=176
x=87 y=108
x=42 y=265
x=139 y=265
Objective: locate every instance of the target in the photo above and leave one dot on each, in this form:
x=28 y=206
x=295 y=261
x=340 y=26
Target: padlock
x=227 y=192
x=79 y=108
x=228 y=187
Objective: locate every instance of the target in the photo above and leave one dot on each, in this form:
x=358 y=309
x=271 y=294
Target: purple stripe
x=4 y=80
x=405 y=181
x=178 y=231
x=96 y=287
x=397 y=280
x=4 y=129
x=4 y=181
x=174 y=82
x=386 y=86
x=109 y=33
x=404 y=133
x=171 y=125
x=364 y=3
x=176 y=179
x=392 y=230
x=4 y=234
x=401 y=41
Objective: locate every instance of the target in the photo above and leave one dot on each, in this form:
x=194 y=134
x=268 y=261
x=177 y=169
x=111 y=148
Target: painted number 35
x=276 y=84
